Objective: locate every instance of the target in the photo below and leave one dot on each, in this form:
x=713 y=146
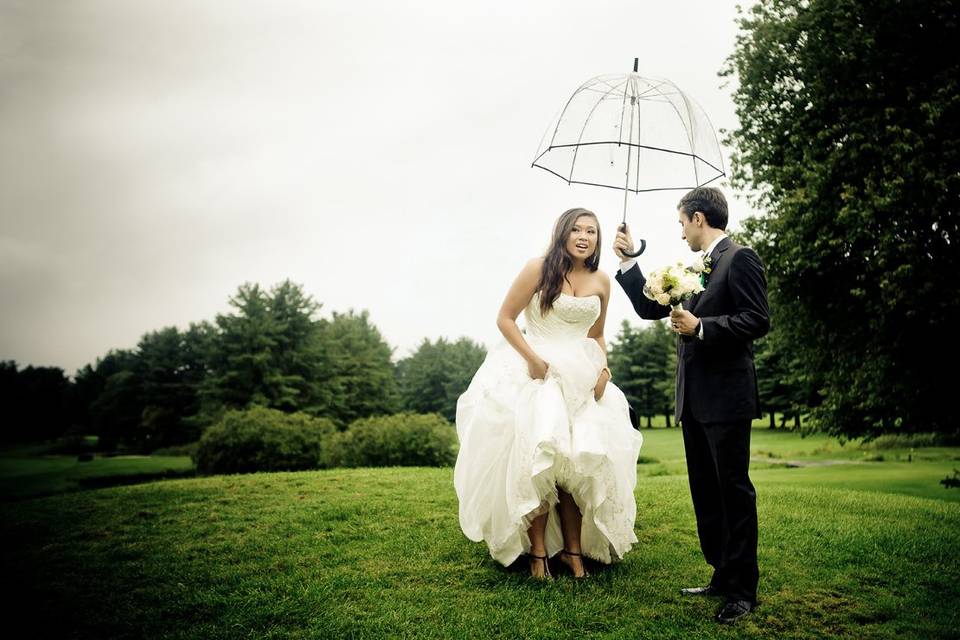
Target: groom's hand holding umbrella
x=623 y=243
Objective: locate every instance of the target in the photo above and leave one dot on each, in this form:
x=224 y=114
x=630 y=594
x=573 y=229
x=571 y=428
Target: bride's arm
x=596 y=332
x=518 y=297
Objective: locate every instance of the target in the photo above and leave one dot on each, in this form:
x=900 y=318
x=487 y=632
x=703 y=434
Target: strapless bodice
x=570 y=317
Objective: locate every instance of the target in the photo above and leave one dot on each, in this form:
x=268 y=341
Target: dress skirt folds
x=522 y=438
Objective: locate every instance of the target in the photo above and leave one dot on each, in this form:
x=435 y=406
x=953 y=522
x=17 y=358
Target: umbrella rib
x=719 y=152
x=576 y=149
x=600 y=81
x=690 y=136
x=626 y=179
x=623 y=107
x=560 y=119
x=632 y=144
x=620 y=188
x=639 y=146
x=650 y=89
x=637 y=182
x=645 y=95
x=685 y=130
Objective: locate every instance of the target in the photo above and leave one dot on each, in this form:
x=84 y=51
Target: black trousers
x=725 y=502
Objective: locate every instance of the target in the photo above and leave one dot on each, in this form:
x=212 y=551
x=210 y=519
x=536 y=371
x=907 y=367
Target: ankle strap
x=570 y=553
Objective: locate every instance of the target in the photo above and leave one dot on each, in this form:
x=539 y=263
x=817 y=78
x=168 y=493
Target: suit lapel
x=715 y=256
x=718 y=252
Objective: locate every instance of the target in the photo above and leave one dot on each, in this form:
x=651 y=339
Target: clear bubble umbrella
x=631 y=133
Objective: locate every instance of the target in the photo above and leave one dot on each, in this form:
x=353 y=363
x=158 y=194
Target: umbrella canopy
x=612 y=121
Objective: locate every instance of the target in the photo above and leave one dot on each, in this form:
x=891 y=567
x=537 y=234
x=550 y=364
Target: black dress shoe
x=708 y=590
x=733 y=610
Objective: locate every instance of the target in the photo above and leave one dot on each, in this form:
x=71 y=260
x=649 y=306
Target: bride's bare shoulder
x=603 y=281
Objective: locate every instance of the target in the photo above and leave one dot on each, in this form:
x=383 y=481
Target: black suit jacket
x=716 y=377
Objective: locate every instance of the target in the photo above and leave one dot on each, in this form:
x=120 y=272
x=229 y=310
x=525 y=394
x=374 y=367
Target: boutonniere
x=701 y=265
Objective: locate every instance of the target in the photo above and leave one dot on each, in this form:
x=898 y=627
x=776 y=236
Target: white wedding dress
x=520 y=438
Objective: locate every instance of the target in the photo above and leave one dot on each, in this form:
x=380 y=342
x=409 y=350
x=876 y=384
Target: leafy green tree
x=242 y=366
x=849 y=140
x=295 y=361
x=643 y=363
x=357 y=371
x=117 y=410
x=170 y=383
x=109 y=410
x=268 y=352
x=436 y=374
x=9 y=391
x=772 y=380
x=36 y=402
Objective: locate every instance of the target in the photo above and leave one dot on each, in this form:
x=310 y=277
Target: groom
x=716 y=392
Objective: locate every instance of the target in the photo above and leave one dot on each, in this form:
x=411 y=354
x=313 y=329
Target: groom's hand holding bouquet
x=673 y=284
x=670 y=286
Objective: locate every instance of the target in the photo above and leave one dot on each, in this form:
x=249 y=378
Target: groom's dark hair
x=710 y=202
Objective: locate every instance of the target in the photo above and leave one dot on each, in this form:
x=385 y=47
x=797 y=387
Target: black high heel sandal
x=546 y=567
x=577 y=555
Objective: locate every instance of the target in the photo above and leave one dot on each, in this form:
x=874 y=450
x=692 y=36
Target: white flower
x=698 y=264
x=663 y=298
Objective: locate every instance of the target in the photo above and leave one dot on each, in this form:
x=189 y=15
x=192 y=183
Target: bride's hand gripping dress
x=521 y=437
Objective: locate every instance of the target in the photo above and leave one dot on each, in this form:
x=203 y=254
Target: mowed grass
x=23 y=474
x=784 y=458
x=378 y=553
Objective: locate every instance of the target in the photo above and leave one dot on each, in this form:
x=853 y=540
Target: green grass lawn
x=852 y=550
x=847 y=466
x=23 y=475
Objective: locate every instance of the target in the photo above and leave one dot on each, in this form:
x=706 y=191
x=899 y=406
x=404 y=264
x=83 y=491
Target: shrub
x=403 y=439
x=262 y=439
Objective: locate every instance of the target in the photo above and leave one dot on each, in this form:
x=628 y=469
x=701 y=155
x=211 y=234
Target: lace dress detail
x=521 y=438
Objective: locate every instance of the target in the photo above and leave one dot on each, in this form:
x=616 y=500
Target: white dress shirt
x=627 y=264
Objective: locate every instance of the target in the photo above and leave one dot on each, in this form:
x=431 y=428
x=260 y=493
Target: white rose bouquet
x=674 y=284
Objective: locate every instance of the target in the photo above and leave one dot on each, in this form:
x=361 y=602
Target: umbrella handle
x=643 y=243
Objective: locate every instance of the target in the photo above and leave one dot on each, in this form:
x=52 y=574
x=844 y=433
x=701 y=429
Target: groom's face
x=692 y=233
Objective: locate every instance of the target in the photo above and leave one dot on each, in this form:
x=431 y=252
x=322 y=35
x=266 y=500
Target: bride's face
x=582 y=241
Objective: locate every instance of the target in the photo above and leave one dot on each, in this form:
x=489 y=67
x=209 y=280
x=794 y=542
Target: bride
x=547 y=460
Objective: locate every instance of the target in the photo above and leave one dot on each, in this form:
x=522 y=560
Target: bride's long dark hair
x=557 y=261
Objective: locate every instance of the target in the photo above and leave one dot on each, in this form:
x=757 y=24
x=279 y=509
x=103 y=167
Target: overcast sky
x=155 y=155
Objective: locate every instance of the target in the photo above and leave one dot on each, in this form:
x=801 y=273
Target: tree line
x=273 y=351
